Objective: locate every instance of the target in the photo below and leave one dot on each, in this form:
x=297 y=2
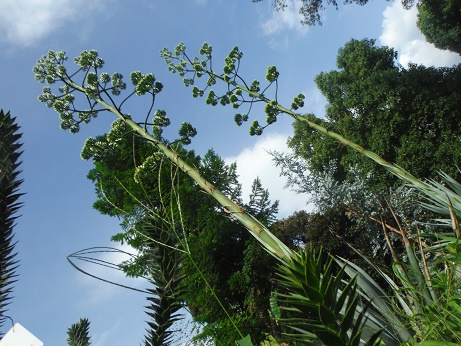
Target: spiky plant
x=320 y=305
x=9 y=205
x=78 y=333
x=166 y=275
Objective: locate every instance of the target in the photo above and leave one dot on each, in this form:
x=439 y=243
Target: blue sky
x=57 y=217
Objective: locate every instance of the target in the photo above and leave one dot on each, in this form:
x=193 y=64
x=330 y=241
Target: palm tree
x=9 y=205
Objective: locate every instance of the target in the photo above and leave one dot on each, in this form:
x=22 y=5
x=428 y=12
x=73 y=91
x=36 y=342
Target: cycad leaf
x=329 y=337
x=327 y=317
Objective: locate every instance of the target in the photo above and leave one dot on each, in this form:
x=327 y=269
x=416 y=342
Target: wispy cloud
x=287 y=19
x=400 y=32
x=257 y=162
x=315 y=102
x=25 y=22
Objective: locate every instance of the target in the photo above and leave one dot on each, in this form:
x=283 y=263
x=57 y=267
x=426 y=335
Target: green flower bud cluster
x=145 y=83
x=240 y=118
x=63 y=105
x=197 y=92
x=211 y=99
x=188 y=81
x=256 y=129
x=160 y=118
x=187 y=131
x=117 y=84
x=117 y=131
x=160 y=121
x=224 y=100
x=254 y=89
x=87 y=150
x=179 y=49
x=206 y=50
x=298 y=102
x=100 y=147
x=271 y=111
x=181 y=68
x=47 y=97
x=92 y=80
x=230 y=61
x=144 y=171
x=49 y=69
x=199 y=67
x=89 y=59
x=85 y=116
x=211 y=81
x=272 y=74
x=104 y=78
x=255 y=86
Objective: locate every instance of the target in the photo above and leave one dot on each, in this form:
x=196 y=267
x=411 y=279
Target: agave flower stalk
x=50 y=69
x=179 y=62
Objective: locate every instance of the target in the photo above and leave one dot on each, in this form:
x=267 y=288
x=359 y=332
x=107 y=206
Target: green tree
x=408 y=116
x=124 y=165
x=78 y=333
x=9 y=206
x=440 y=22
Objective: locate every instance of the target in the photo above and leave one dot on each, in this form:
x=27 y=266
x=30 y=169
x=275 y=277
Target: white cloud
x=400 y=32
x=286 y=19
x=257 y=162
x=24 y=22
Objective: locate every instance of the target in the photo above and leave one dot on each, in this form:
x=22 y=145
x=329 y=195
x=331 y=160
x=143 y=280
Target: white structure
x=19 y=336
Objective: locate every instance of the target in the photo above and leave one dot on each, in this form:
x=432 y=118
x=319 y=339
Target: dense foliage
x=440 y=22
x=406 y=115
x=219 y=246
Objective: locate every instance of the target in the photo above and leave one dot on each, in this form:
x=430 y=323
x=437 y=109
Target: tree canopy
x=407 y=115
x=440 y=22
